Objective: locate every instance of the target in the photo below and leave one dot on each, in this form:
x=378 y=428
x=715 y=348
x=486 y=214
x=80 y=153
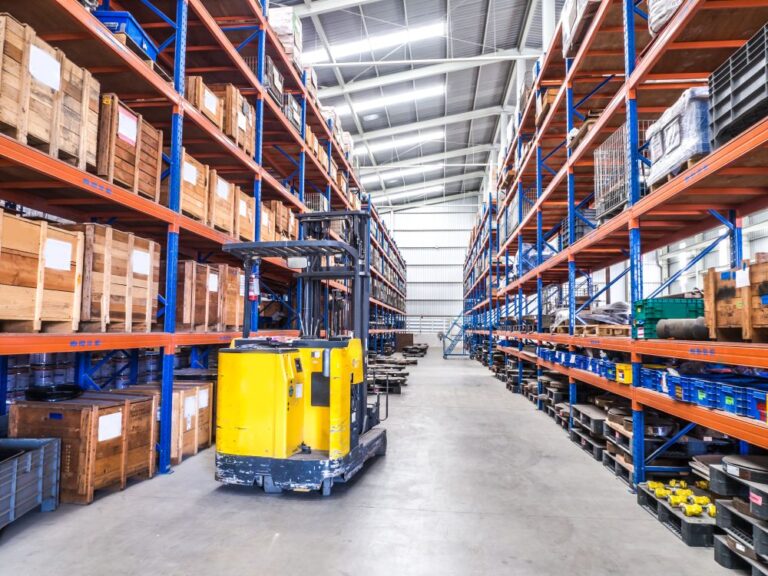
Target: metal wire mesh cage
x=316 y=202
x=612 y=172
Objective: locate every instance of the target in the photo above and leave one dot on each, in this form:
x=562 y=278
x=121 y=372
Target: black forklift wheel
x=326 y=487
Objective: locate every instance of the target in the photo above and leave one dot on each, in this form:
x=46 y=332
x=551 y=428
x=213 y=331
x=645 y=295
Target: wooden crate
x=204 y=99
x=121 y=280
x=245 y=216
x=231 y=293
x=733 y=307
x=46 y=101
x=267 y=223
x=194 y=188
x=41 y=275
x=198 y=415
x=221 y=203
x=141 y=429
x=93 y=441
x=130 y=149
x=182 y=432
x=198 y=302
x=239 y=117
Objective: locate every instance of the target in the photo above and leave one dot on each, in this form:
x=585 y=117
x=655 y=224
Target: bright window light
x=397 y=174
x=383 y=102
x=436 y=135
x=409 y=194
x=381 y=42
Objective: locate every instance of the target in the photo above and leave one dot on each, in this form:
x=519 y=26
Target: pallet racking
x=621 y=75
x=224 y=42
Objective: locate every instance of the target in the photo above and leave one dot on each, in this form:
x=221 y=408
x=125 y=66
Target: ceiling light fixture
x=409 y=194
x=389 y=144
x=376 y=43
x=395 y=175
x=384 y=101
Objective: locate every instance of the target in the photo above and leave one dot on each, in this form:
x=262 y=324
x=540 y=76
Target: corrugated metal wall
x=433 y=240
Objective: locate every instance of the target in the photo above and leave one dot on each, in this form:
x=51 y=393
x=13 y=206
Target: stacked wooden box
x=41 y=274
x=204 y=99
x=735 y=302
x=121 y=280
x=191 y=416
x=130 y=149
x=239 y=117
x=46 y=100
x=105 y=439
x=209 y=297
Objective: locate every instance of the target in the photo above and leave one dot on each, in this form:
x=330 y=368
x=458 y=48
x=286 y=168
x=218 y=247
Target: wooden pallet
x=672 y=175
x=602 y=330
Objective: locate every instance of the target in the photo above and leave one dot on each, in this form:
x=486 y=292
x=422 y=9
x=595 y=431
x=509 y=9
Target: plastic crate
x=738 y=90
x=647 y=313
x=609 y=370
x=678 y=388
x=124 y=23
x=756 y=404
x=652 y=379
x=733 y=399
x=703 y=392
x=624 y=373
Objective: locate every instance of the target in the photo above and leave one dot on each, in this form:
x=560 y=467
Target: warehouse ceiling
x=423 y=84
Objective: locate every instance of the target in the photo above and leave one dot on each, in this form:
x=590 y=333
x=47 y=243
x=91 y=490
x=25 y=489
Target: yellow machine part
x=260 y=407
x=700 y=500
x=712 y=510
x=692 y=509
x=662 y=492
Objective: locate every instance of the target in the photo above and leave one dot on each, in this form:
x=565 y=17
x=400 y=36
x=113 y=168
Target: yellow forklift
x=293 y=414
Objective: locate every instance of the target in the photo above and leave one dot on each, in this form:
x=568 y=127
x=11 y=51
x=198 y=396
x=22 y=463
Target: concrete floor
x=475 y=482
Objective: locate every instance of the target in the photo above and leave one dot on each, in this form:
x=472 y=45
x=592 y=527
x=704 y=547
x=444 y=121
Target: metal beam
x=430 y=159
x=433 y=123
x=438 y=67
x=324 y=6
x=428 y=184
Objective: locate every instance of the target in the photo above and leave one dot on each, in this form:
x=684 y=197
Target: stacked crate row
x=110 y=437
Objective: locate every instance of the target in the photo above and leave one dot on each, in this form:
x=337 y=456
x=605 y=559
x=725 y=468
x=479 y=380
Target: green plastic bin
x=647 y=313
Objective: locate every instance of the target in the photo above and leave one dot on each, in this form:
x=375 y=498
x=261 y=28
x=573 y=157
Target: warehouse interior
x=373 y=286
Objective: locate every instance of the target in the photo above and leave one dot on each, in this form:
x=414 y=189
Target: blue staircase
x=453 y=337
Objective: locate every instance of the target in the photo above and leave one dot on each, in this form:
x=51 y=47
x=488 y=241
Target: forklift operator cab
x=294 y=414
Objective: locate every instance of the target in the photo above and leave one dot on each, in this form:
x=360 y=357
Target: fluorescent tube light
x=384 y=101
x=389 y=144
x=408 y=194
x=376 y=43
x=403 y=173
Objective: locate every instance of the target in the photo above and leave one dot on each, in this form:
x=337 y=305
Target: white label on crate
x=664 y=385
x=299 y=390
x=210 y=101
x=44 y=67
x=202 y=398
x=127 y=126
x=742 y=278
x=740 y=547
x=190 y=173
x=242 y=121
x=190 y=409
x=110 y=426
x=222 y=188
x=58 y=254
x=243 y=208
x=141 y=262
x=731 y=469
x=265 y=219
x=213 y=283
x=241 y=281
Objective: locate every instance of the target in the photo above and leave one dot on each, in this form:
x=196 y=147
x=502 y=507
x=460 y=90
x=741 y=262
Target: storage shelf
x=621 y=74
